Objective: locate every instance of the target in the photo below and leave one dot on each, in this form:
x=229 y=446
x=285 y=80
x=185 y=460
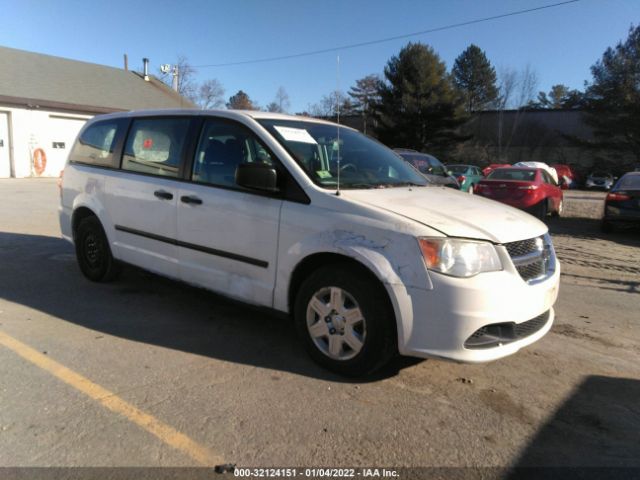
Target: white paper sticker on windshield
x=295 y=135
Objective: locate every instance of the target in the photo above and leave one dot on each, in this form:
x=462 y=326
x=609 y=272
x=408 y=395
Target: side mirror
x=257 y=176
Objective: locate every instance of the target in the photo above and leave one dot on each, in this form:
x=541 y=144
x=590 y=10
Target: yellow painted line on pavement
x=110 y=400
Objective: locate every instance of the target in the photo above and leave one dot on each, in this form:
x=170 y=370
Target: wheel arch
x=312 y=262
x=80 y=214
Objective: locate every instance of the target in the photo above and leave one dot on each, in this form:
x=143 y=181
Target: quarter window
x=222 y=147
x=96 y=143
x=154 y=146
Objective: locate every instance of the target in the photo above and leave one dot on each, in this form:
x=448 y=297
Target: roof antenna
x=338 y=118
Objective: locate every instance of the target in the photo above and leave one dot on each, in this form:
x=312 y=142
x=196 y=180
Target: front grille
x=502 y=333
x=531 y=270
x=521 y=247
x=533 y=258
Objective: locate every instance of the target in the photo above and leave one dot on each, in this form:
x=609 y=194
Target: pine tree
x=560 y=96
x=474 y=76
x=419 y=107
x=241 y=101
x=366 y=94
x=613 y=98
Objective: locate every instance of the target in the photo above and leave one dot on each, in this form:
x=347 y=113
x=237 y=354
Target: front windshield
x=363 y=163
x=425 y=163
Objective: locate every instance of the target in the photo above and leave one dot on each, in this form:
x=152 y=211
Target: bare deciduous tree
x=528 y=86
x=328 y=105
x=282 y=99
x=516 y=89
x=211 y=94
x=187 y=85
x=281 y=102
x=507 y=84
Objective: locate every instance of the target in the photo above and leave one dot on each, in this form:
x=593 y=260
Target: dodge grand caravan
x=312 y=219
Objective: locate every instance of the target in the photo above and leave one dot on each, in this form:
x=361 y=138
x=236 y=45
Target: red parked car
x=565 y=172
x=529 y=189
x=487 y=170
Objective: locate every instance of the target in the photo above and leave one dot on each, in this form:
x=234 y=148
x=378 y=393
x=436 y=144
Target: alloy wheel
x=335 y=323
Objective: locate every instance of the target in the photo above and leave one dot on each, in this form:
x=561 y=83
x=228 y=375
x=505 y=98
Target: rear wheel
x=345 y=320
x=93 y=252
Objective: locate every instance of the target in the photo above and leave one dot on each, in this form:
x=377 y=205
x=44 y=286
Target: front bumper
x=438 y=322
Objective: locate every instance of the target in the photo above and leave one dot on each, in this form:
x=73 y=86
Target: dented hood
x=454 y=213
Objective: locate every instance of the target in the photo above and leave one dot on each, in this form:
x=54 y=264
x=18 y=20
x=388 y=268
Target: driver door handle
x=191 y=200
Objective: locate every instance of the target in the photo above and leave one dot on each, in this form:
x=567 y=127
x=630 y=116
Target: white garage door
x=5 y=166
x=62 y=132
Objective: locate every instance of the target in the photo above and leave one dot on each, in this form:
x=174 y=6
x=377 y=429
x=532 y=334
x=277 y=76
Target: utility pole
x=176 y=78
x=175 y=72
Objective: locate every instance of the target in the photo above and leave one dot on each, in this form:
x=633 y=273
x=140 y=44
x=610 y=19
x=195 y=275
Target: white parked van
x=312 y=219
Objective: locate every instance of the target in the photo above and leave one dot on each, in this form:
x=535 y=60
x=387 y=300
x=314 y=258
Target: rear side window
x=154 y=146
x=96 y=143
x=631 y=182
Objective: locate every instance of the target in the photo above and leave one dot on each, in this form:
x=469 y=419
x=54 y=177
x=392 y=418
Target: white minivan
x=313 y=219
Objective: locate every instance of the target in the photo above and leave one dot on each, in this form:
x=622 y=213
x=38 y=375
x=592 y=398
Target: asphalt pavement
x=146 y=372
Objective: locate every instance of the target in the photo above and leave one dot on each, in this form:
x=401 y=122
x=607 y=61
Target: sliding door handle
x=163 y=195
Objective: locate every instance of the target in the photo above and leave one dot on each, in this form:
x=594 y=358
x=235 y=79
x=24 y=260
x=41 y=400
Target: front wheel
x=345 y=320
x=560 y=210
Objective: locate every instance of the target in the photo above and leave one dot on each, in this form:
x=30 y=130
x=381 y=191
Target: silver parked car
x=599 y=180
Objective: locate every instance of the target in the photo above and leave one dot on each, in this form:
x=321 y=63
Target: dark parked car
x=622 y=205
x=599 y=181
x=430 y=167
x=529 y=189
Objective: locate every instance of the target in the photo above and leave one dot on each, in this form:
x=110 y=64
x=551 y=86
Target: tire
x=93 y=253
x=470 y=190
x=540 y=210
x=324 y=299
x=558 y=213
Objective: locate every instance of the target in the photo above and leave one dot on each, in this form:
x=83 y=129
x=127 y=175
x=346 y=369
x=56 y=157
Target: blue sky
x=560 y=44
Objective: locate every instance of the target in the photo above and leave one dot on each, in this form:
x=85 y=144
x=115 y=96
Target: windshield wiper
x=359 y=185
x=401 y=184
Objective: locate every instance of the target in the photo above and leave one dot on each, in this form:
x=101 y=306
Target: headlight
x=459 y=258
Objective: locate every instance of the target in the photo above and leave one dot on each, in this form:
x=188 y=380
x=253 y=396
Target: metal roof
x=36 y=80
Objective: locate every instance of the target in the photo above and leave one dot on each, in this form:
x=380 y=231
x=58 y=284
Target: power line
x=388 y=39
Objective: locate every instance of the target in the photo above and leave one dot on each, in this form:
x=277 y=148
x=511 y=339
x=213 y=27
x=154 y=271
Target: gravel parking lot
x=190 y=379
